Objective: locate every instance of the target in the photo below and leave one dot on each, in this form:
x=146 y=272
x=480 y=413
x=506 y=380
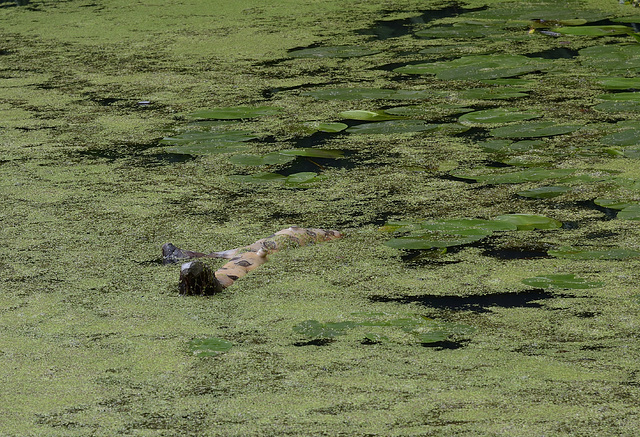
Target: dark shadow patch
x=386 y=29
x=510 y=253
x=479 y=304
x=555 y=53
x=315 y=342
x=445 y=345
x=609 y=214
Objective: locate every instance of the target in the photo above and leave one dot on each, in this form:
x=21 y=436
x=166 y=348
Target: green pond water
x=480 y=157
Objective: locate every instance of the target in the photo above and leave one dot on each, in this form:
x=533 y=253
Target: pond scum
x=481 y=158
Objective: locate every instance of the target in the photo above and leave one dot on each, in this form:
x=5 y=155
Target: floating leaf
x=325 y=127
x=368 y=115
x=497 y=115
x=371 y=93
x=430 y=240
x=235 y=112
x=618 y=106
x=392 y=127
x=631 y=212
x=595 y=30
x=624 y=96
x=333 y=52
x=534 y=130
x=528 y=222
x=477 y=67
x=561 y=281
x=575 y=253
x=313 y=153
x=614 y=204
x=514 y=177
x=492 y=93
x=612 y=58
x=627 y=137
x=619 y=83
x=544 y=192
x=315 y=329
x=208 y=347
x=305 y=177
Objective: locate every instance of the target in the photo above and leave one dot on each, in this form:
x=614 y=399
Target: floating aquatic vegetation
x=329 y=127
x=362 y=115
x=310 y=152
x=618 y=106
x=629 y=134
x=534 y=130
x=623 y=96
x=478 y=67
x=614 y=203
x=372 y=94
x=491 y=93
x=234 y=112
x=509 y=176
x=587 y=254
x=431 y=234
x=255 y=160
x=631 y=212
x=333 y=52
x=393 y=127
x=564 y=281
x=300 y=179
x=207 y=143
x=497 y=115
x=605 y=30
x=508 y=146
x=425 y=330
x=544 y=192
x=529 y=222
x=208 y=347
x=458 y=30
x=430 y=111
x=612 y=59
x=619 y=83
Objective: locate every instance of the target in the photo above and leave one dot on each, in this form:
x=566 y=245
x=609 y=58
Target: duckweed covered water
x=213 y=124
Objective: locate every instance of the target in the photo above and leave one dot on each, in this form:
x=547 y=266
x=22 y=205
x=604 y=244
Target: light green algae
x=94 y=339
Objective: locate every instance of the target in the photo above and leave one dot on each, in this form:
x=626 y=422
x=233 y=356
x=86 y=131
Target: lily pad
x=234 y=112
x=566 y=281
x=491 y=93
x=613 y=203
x=305 y=177
x=586 y=254
x=534 y=130
x=478 y=67
x=325 y=127
x=369 y=115
x=528 y=222
x=208 y=347
x=371 y=94
x=612 y=59
x=333 y=52
x=618 y=106
x=433 y=239
x=631 y=212
x=623 y=96
x=315 y=329
x=619 y=83
x=514 y=177
x=392 y=127
x=310 y=152
x=544 y=192
x=627 y=137
x=608 y=30
x=497 y=115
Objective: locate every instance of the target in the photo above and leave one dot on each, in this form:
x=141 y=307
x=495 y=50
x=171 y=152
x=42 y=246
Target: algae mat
x=481 y=163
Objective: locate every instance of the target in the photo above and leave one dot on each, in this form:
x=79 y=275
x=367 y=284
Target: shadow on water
x=383 y=30
x=478 y=304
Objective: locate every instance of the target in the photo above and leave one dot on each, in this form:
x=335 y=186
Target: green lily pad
x=528 y=222
x=368 y=115
x=585 y=254
x=614 y=29
x=623 y=96
x=210 y=137
x=392 y=127
x=627 y=137
x=544 y=192
x=612 y=59
x=315 y=329
x=208 y=347
x=631 y=212
x=371 y=94
x=310 y=152
x=254 y=160
x=618 y=106
x=566 y=281
x=500 y=176
x=619 y=83
x=305 y=177
x=491 y=93
x=478 y=67
x=328 y=127
x=534 y=130
x=497 y=115
x=259 y=178
x=234 y=112
x=613 y=203
x=333 y=52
